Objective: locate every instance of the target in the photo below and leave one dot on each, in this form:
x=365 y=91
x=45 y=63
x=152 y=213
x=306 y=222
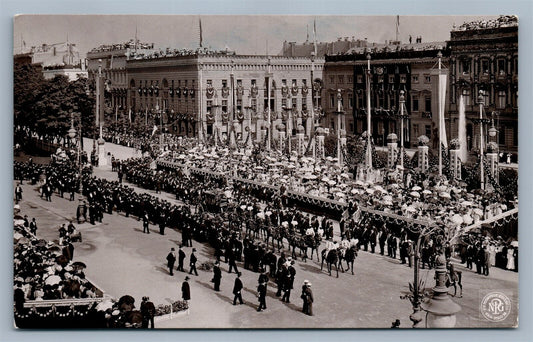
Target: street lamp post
x=481 y=148
x=440 y=309
x=72 y=135
x=402 y=116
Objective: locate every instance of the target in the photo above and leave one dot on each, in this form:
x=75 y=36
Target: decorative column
x=423 y=162
x=392 y=150
x=320 y=153
x=455 y=163
x=300 y=139
x=340 y=126
x=281 y=137
x=492 y=159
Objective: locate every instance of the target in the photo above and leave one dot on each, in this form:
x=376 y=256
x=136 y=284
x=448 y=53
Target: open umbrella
x=457 y=219
x=105 y=305
x=53 y=280
x=427 y=192
x=79 y=264
x=416 y=188
x=444 y=195
x=414 y=194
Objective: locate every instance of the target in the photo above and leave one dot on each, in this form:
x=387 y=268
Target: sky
x=243 y=34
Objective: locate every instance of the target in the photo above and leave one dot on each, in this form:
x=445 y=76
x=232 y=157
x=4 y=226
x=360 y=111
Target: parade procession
x=352 y=183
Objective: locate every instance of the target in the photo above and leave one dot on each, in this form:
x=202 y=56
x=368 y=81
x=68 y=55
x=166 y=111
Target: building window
x=208 y=106
x=427 y=79
x=360 y=103
x=428 y=131
x=332 y=79
x=350 y=102
x=391 y=78
x=283 y=82
x=254 y=105
x=294 y=102
x=381 y=100
x=392 y=100
x=380 y=79
x=465 y=66
x=501 y=66
x=403 y=79
x=484 y=66
x=466 y=97
x=284 y=102
x=239 y=104
x=501 y=99
x=416 y=133
x=209 y=83
x=224 y=106
x=304 y=103
x=350 y=79
x=332 y=101
x=415 y=103
x=414 y=78
x=341 y=79
x=359 y=78
x=428 y=103
x=224 y=83
x=254 y=82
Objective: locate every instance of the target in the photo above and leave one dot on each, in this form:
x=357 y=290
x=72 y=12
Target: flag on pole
x=442 y=102
x=154 y=130
x=129 y=115
x=200 y=26
x=314 y=36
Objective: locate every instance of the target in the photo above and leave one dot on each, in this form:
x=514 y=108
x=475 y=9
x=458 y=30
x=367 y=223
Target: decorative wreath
x=171 y=91
x=210 y=118
x=185 y=90
x=254 y=91
x=225 y=92
x=240 y=90
x=240 y=116
x=210 y=92
x=294 y=90
x=151 y=90
x=284 y=90
x=225 y=117
x=178 y=91
x=145 y=90
x=140 y=90
x=305 y=89
x=191 y=92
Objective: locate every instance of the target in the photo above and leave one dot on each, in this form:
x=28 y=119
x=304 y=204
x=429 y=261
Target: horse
x=313 y=242
x=454 y=277
x=349 y=256
x=332 y=258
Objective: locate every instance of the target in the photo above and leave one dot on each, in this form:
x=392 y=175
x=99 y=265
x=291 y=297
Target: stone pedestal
x=492 y=160
x=102 y=158
x=423 y=161
x=455 y=164
x=320 y=152
x=392 y=154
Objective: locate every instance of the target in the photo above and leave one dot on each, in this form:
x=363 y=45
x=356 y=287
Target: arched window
x=132 y=83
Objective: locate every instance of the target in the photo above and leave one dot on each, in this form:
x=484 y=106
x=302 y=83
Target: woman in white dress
x=510 y=258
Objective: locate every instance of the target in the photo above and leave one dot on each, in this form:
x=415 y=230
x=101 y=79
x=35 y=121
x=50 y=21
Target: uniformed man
x=146 y=223
x=289 y=283
x=217 y=276
x=237 y=288
x=148 y=312
x=171 y=259
x=261 y=295
x=192 y=263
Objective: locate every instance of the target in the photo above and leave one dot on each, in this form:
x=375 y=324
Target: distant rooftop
x=502 y=21
x=377 y=48
x=168 y=52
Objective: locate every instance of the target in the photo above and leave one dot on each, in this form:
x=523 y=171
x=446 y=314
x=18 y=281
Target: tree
x=28 y=85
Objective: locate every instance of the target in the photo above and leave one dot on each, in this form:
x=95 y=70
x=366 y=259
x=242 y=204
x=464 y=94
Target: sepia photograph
x=265 y=171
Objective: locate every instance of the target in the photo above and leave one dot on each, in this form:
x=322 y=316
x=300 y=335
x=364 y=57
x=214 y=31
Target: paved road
x=123 y=260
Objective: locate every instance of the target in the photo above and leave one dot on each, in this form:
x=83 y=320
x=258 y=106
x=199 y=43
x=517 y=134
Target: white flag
x=442 y=102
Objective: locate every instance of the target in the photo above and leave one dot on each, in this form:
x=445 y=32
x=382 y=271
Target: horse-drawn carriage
x=215 y=201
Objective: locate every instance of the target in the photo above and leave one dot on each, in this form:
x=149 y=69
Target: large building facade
x=408 y=69
x=199 y=94
x=484 y=57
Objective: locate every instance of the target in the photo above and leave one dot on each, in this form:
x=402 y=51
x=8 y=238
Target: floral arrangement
x=492 y=147
x=177 y=306
x=423 y=140
x=455 y=144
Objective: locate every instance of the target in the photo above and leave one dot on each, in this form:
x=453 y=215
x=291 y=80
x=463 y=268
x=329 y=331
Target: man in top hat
x=186 y=290
x=148 y=312
x=171 y=260
x=18 y=193
x=217 y=276
x=237 y=288
x=261 y=295
x=181 y=258
x=146 y=223
x=192 y=263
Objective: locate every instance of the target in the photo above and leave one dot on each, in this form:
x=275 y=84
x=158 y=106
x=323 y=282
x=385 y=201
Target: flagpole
x=440 y=114
x=368 y=116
